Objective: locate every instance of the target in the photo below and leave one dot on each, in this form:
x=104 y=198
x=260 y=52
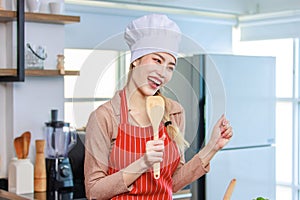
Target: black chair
x=76 y=156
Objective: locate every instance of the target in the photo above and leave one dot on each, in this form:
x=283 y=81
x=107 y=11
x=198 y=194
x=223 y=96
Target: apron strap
x=123 y=108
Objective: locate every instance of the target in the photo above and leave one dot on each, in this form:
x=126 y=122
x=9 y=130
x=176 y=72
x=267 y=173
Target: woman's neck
x=136 y=103
x=135 y=98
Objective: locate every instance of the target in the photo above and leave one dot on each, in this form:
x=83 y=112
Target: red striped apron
x=130 y=145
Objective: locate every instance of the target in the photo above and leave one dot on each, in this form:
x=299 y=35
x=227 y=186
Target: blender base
x=59 y=174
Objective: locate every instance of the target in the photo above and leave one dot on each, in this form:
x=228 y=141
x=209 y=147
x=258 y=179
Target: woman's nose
x=162 y=71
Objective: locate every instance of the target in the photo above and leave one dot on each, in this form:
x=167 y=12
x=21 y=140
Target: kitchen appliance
x=60 y=139
x=242 y=88
x=249 y=103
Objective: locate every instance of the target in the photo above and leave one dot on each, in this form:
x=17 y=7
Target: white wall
x=271 y=31
x=274 y=25
x=50 y=36
x=32 y=103
x=3 y=132
x=2 y=45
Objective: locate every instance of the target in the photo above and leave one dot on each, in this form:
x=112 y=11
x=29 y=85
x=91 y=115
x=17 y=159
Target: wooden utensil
x=229 y=190
x=26 y=143
x=155 y=106
x=40 y=178
x=18 y=143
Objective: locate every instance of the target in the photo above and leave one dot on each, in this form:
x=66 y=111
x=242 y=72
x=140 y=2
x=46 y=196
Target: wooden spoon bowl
x=26 y=143
x=22 y=145
x=18 y=143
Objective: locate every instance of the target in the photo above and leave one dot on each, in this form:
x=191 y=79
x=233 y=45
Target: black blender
x=60 y=139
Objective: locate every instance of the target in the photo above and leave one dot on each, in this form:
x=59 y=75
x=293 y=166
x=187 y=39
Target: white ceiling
x=236 y=7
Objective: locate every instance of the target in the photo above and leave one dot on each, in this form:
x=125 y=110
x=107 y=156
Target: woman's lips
x=152 y=85
x=154 y=82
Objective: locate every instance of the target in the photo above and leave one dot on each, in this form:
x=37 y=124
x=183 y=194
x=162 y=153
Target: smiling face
x=151 y=72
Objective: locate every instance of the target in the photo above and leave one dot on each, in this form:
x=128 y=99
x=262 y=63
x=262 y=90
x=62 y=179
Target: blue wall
x=103 y=28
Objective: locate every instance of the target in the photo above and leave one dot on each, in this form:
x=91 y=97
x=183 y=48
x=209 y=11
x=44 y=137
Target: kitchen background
x=94 y=46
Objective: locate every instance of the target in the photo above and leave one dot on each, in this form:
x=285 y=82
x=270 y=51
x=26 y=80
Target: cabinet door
x=253 y=169
x=242 y=87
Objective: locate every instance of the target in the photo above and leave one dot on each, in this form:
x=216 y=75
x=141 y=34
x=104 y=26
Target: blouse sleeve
x=98 y=183
x=188 y=173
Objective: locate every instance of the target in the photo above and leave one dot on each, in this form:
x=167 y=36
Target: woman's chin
x=150 y=91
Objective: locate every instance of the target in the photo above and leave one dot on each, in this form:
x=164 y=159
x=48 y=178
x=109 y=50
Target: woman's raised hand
x=221 y=133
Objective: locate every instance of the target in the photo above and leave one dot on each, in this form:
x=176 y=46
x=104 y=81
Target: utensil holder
x=20 y=176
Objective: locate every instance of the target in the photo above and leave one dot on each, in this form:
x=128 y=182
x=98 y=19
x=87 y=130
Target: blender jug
x=60 y=139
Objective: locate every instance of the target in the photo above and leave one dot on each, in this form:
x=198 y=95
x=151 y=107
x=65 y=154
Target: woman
x=120 y=150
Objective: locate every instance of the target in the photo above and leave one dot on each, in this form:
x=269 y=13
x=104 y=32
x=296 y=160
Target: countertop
x=4 y=195
x=76 y=193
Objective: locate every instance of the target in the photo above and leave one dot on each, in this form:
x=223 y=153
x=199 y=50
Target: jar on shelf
x=35 y=56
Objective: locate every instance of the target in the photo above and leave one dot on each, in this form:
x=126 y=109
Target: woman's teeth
x=155 y=81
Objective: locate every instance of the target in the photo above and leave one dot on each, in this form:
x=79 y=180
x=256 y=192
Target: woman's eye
x=157 y=60
x=171 y=68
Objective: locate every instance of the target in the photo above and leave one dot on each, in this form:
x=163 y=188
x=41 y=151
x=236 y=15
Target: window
x=102 y=72
x=287 y=109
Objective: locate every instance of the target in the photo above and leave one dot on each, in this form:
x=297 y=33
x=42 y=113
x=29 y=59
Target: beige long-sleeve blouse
x=101 y=132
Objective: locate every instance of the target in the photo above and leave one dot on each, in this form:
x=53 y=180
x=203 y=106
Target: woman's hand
x=221 y=134
x=154 y=152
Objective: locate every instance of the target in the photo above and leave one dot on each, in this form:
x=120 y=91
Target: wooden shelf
x=8 y=15
x=39 y=72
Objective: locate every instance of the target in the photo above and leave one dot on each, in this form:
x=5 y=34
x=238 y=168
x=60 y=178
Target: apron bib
x=130 y=145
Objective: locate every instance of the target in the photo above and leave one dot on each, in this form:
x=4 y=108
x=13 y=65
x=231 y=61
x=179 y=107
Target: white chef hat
x=152 y=33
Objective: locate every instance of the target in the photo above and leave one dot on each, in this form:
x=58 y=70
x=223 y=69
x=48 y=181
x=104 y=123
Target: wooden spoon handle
x=229 y=190
x=156 y=166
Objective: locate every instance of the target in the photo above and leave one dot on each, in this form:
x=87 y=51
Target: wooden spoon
x=26 y=143
x=155 y=106
x=18 y=143
x=229 y=190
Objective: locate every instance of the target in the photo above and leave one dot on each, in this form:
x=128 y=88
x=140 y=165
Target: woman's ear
x=134 y=64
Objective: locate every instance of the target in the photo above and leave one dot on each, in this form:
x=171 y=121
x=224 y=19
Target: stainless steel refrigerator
x=249 y=104
x=243 y=88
